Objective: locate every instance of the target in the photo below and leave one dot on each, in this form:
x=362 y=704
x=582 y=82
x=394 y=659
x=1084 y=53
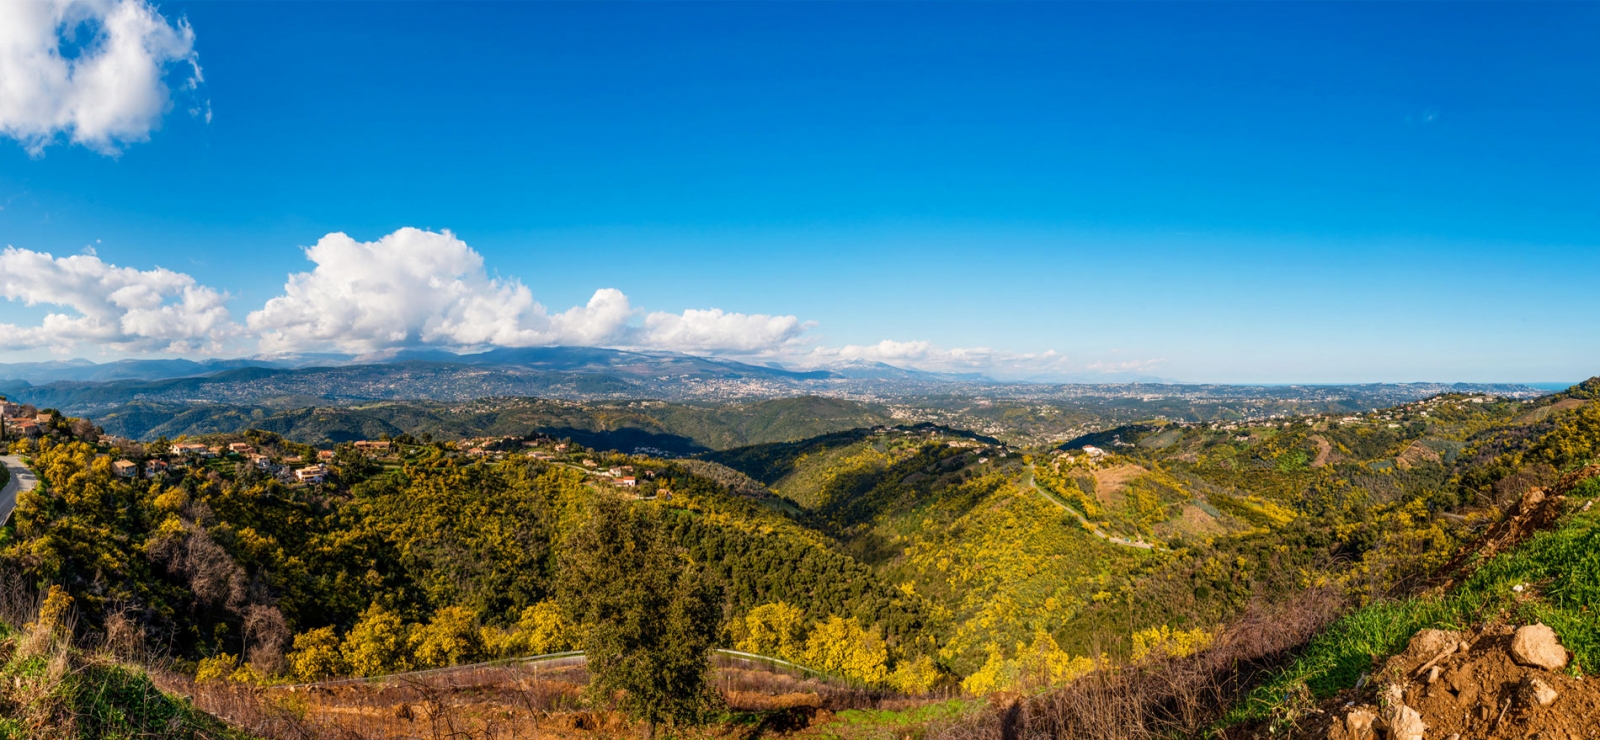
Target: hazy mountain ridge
x=587 y=373
x=660 y=427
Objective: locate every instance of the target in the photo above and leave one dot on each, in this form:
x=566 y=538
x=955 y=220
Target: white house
x=313 y=474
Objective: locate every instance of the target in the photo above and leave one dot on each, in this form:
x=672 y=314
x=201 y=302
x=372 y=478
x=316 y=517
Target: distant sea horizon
x=1552 y=386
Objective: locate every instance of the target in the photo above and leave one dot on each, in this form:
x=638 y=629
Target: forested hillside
x=224 y=562
x=674 y=428
x=1429 y=546
x=1167 y=527
x=901 y=557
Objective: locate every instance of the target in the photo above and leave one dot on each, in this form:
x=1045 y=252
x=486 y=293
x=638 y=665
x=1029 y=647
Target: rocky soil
x=1497 y=683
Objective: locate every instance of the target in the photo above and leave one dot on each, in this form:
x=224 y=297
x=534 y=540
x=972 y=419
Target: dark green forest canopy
x=675 y=428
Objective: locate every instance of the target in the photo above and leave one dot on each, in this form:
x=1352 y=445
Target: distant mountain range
x=281 y=382
x=564 y=359
x=578 y=373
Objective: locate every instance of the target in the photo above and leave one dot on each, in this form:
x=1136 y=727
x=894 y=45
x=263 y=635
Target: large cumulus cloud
x=110 y=91
x=715 y=330
x=426 y=288
x=416 y=287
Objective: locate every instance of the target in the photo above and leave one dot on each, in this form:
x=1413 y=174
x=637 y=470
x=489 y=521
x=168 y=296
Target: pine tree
x=646 y=615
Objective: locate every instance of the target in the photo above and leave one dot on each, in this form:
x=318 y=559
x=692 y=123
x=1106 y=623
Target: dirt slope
x=1465 y=686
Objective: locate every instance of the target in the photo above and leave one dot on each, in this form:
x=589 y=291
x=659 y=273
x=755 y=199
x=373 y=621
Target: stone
x=1406 y=724
x=1433 y=674
x=1537 y=645
x=1533 y=497
x=1428 y=643
x=1536 y=691
x=1358 y=724
x=1401 y=721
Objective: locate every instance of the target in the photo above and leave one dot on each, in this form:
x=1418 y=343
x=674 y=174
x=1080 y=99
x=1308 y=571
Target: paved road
x=21 y=480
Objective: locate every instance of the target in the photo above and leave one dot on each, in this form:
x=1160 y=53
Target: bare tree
x=85 y=430
x=266 y=633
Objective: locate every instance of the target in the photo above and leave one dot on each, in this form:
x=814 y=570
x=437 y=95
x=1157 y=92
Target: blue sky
x=1246 y=192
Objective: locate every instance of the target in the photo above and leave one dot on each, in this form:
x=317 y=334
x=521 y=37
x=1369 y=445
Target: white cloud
x=1125 y=366
x=924 y=355
x=118 y=308
x=423 y=288
x=111 y=92
x=416 y=287
x=716 y=331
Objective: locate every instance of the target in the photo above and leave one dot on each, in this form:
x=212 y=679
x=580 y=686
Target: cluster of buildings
x=298 y=469
x=1092 y=457
x=19 y=421
x=294 y=468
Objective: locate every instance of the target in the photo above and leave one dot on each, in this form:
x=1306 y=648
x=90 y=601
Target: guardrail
x=574 y=656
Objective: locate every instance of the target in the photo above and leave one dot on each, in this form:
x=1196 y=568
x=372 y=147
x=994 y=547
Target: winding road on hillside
x=1088 y=525
x=21 y=479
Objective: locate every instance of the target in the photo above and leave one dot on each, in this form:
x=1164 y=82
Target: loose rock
x=1428 y=643
x=1401 y=721
x=1536 y=691
x=1406 y=724
x=1532 y=498
x=1537 y=645
x=1358 y=724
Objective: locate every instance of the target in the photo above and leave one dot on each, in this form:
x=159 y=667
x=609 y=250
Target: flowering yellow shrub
x=1041 y=665
x=1157 y=642
x=918 y=676
x=451 y=637
x=316 y=655
x=995 y=675
x=1044 y=663
x=544 y=630
x=772 y=629
x=53 y=613
x=377 y=644
x=842 y=646
x=216 y=668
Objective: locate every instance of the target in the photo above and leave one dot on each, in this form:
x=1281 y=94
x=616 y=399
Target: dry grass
x=1109 y=482
x=1172 y=698
x=487 y=702
x=511 y=701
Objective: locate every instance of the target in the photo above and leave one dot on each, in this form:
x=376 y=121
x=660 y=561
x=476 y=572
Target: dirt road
x=1088 y=525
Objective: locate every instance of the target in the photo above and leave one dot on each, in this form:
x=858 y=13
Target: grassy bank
x=50 y=688
x=1552 y=578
